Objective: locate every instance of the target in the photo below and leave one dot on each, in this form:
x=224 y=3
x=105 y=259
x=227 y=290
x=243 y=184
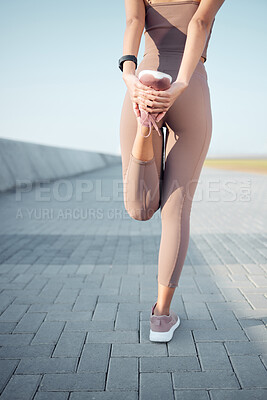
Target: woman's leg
x=141 y=165
x=189 y=128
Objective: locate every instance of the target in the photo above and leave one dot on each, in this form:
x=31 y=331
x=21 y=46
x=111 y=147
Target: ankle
x=143 y=130
x=161 y=310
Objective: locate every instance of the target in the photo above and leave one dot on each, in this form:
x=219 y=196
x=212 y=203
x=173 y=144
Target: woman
x=176 y=39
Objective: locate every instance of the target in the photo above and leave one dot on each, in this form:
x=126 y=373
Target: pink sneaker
x=163 y=326
x=158 y=81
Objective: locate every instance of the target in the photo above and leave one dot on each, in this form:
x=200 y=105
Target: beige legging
x=168 y=182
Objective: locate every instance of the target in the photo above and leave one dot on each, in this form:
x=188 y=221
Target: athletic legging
x=168 y=182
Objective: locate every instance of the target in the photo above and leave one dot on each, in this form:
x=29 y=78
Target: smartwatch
x=127 y=58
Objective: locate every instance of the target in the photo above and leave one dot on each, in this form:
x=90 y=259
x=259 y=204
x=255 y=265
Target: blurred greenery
x=245 y=164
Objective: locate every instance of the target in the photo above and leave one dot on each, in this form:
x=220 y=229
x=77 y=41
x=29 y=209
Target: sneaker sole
x=163 y=336
x=156 y=79
x=156 y=74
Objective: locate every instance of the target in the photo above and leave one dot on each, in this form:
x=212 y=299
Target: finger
x=147 y=91
x=155 y=104
x=136 y=109
x=155 y=93
x=156 y=111
x=152 y=97
x=135 y=112
x=139 y=85
x=153 y=110
x=145 y=88
x=140 y=88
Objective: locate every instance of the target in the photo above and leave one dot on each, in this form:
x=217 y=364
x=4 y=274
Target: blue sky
x=60 y=84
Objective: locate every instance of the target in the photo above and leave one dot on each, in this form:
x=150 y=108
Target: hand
x=159 y=101
x=136 y=89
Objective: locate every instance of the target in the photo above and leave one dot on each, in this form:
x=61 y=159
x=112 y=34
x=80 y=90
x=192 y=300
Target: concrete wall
x=35 y=162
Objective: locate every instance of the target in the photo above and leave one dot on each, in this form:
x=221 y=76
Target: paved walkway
x=79 y=277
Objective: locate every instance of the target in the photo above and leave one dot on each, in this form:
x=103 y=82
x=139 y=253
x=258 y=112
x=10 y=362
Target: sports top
x=166 y=26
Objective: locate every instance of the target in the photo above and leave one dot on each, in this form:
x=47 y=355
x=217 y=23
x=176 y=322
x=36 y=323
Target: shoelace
x=147 y=119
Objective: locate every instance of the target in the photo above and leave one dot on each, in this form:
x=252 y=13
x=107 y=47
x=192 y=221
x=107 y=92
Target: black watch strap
x=127 y=58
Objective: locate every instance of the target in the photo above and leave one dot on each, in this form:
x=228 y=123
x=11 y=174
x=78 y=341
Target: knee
x=141 y=214
x=140 y=211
